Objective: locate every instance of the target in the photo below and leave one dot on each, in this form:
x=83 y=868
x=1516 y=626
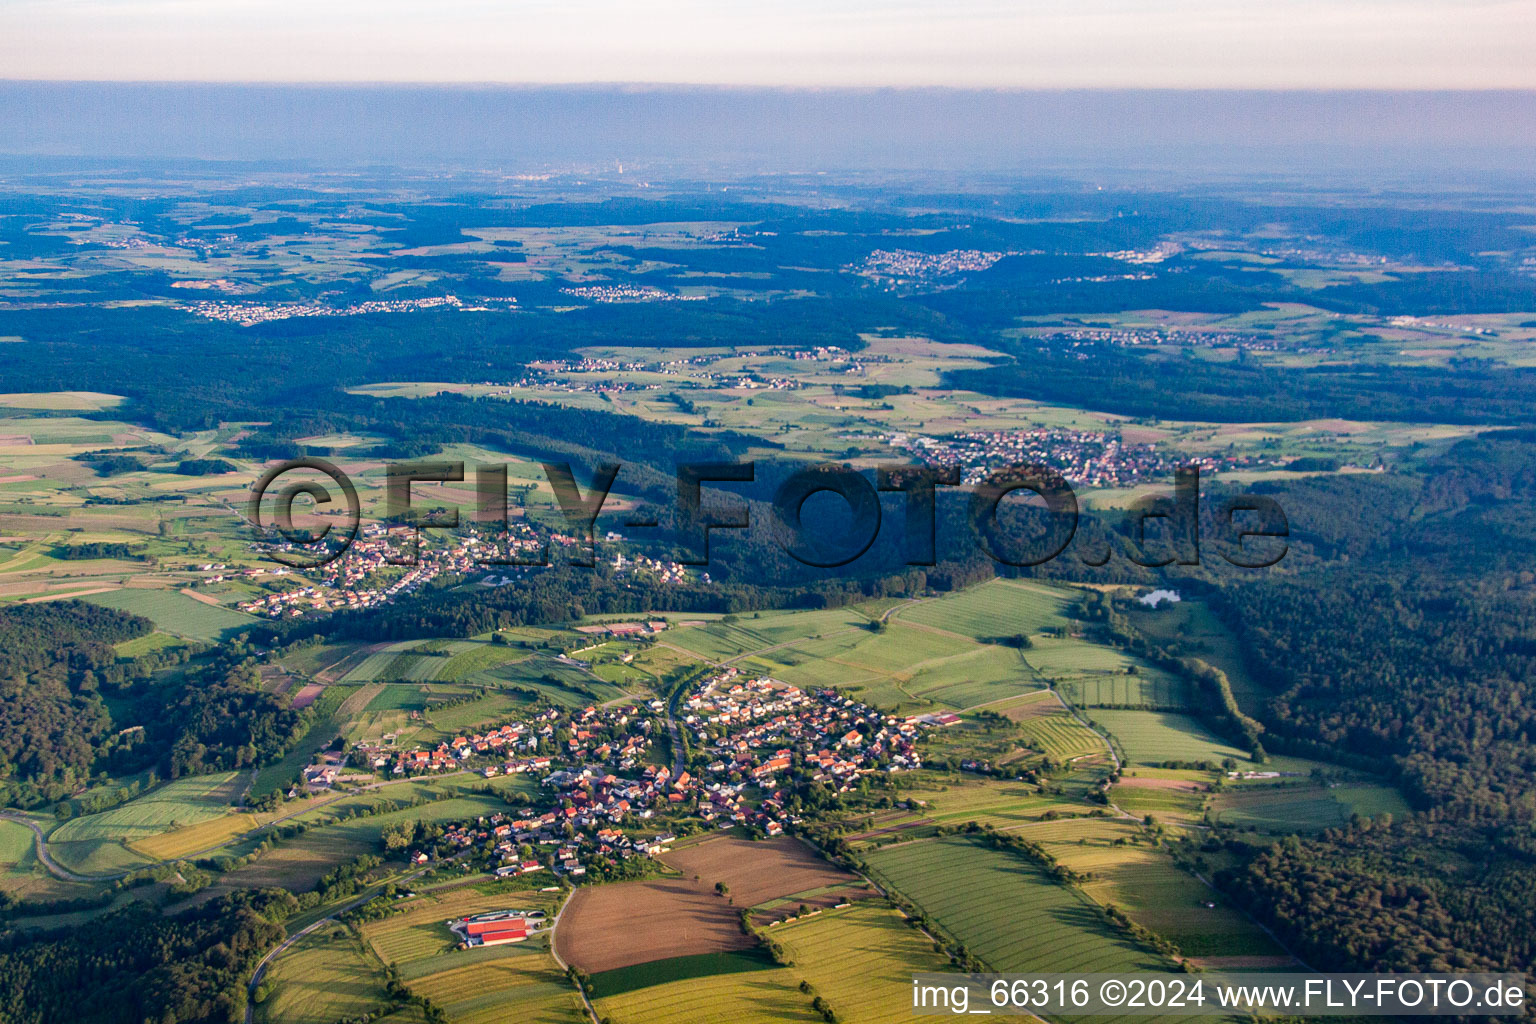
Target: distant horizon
x=771 y=129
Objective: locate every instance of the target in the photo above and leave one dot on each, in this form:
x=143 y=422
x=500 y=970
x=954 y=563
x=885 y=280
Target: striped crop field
x=1148 y=687
x=323 y=978
x=176 y=613
x=185 y=801
x=996 y=609
x=1062 y=737
x=861 y=960
x=1143 y=881
x=523 y=986
x=1153 y=737
x=1006 y=910
x=750 y=997
x=183 y=842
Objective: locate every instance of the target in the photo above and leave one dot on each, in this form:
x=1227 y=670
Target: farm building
x=497 y=927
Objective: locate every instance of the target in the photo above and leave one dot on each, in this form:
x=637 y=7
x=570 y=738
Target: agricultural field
x=525 y=985
x=18 y=856
x=1149 y=738
x=1142 y=880
x=679 y=968
x=731 y=637
x=84 y=401
x=140 y=646
x=1303 y=808
x=448 y=722
x=176 y=613
x=318 y=660
x=1005 y=909
x=750 y=997
x=299 y=863
x=1146 y=687
x=1193 y=625
x=1002 y=803
x=555 y=681
x=394 y=662
x=171 y=806
x=475 y=986
x=902 y=667
x=612 y=926
x=1058 y=734
x=194 y=839
x=861 y=959
x=325 y=719
x=327 y=975
x=1001 y=608
x=478 y=658
x=980 y=676
x=1170 y=796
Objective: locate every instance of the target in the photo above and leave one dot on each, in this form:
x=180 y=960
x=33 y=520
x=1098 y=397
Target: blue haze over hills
x=1393 y=135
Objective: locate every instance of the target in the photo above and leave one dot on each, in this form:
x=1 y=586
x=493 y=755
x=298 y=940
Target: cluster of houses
x=1082 y=456
x=669 y=573
x=583 y=828
x=905 y=264
x=494 y=743
x=762 y=734
x=353 y=580
x=249 y=314
x=1137 y=336
x=627 y=293
x=763 y=730
x=537 y=739
x=349 y=581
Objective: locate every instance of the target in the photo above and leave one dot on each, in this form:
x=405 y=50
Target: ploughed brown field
x=609 y=926
x=307 y=696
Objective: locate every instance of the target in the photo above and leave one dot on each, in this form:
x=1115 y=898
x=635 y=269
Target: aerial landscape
x=666 y=580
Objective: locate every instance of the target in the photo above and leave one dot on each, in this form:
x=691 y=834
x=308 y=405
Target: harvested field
x=194 y=838
x=611 y=926
x=757 y=872
x=1030 y=705
x=305 y=697
x=1177 y=785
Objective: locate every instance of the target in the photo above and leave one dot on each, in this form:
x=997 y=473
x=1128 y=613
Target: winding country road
x=59 y=871
x=555 y=953
x=40 y=842
x=261 y=966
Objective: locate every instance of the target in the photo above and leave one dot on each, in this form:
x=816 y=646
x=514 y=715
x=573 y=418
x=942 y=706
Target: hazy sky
x=1028 y=43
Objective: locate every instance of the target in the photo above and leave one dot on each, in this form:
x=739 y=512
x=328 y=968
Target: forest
x=1407 y=648
x=136 y=965
x=181 y=711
